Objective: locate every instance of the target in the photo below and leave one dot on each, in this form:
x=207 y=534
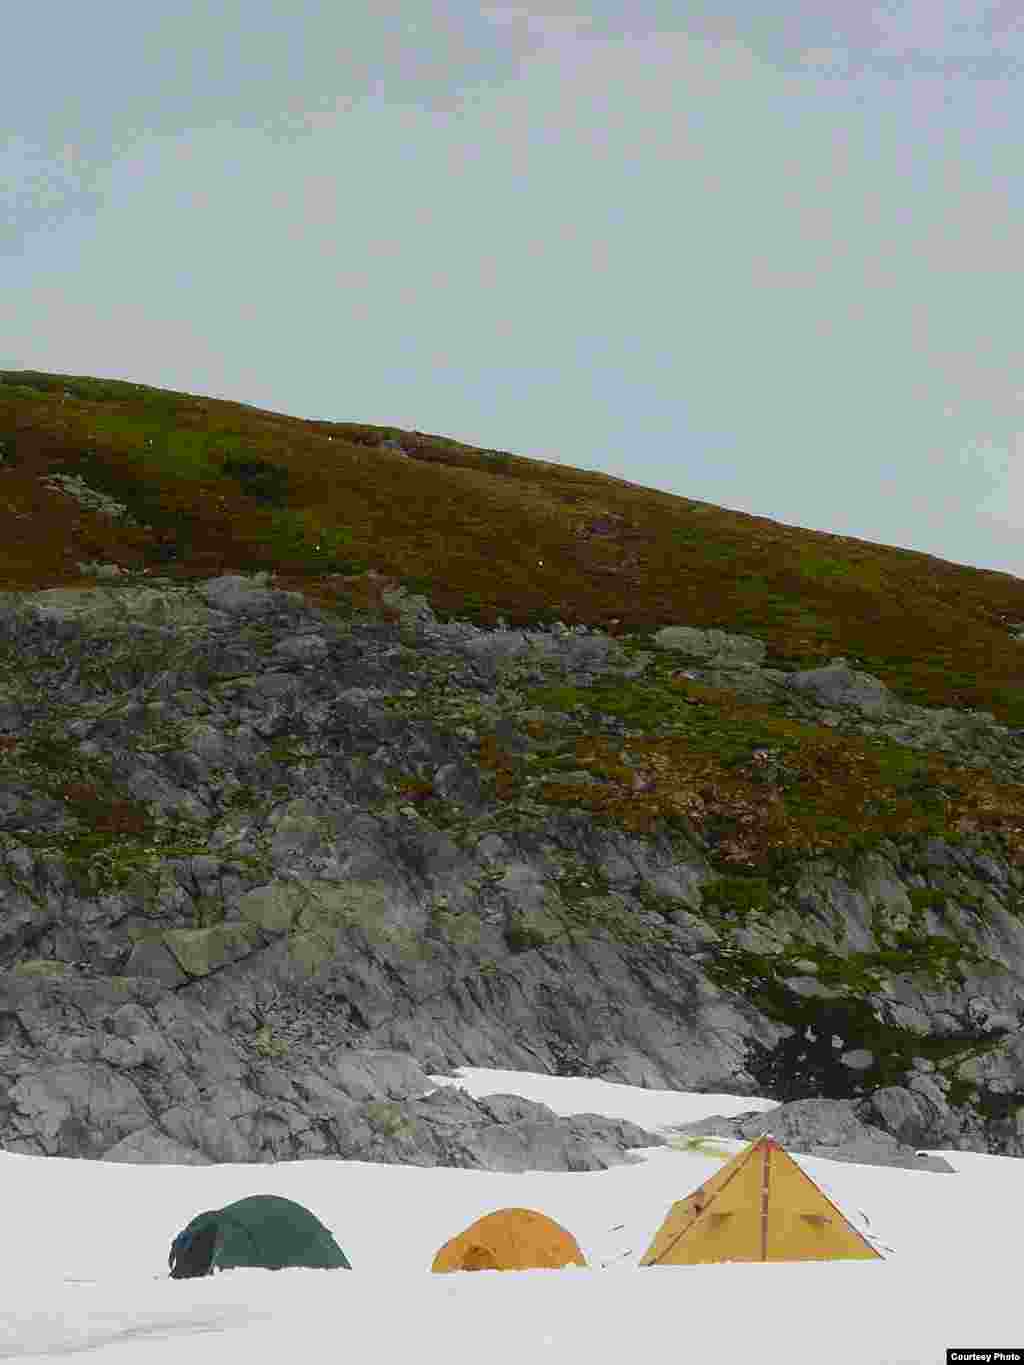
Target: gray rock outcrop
x=838 y=684
x=828 y=1128
x=121 y=1069
x=258 y=880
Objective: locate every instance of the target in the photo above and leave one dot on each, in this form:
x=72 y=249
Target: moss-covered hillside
x=210 y=486
x=213 y=485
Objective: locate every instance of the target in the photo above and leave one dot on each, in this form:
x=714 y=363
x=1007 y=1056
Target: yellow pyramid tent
x=510 y=1239
x=759 y=1207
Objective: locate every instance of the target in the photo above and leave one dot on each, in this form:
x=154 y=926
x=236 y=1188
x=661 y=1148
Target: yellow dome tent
x=759 y=1207
x=510 y=1239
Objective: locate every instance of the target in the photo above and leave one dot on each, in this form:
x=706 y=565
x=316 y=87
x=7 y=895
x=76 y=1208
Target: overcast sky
x=762 y=253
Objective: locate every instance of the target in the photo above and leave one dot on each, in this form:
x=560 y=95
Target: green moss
x=698 y=1146
x=822 y=568
x=462 y=930
x=387 y=1118
x=827 y=792
x=41 y=967
x=200 y=951
x=735 y=899
x=926 y=898
x=997 y=1109
x=305 y=537
x=807 y=1064
x=267 y=1045
x=209 y=910
x=262 y=480
x=529 y=929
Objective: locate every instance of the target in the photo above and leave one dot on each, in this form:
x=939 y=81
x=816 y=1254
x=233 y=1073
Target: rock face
x=133 y=1072
x=259 y=879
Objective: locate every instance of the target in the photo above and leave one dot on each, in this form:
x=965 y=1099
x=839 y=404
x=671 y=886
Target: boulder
x=712 y=646
x=818 y=1127
x=839 y=685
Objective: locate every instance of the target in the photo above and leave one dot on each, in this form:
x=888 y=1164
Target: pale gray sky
x=758 y=253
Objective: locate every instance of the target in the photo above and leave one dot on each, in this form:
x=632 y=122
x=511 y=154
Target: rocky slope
x=266 y=868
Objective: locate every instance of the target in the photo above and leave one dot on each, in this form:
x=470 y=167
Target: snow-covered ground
x=83 y=1261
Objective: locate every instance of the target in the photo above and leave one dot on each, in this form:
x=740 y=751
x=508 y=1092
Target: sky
x=761 y=255
x=83 y=1262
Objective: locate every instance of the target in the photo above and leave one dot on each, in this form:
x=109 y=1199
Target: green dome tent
x=263 y=1230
